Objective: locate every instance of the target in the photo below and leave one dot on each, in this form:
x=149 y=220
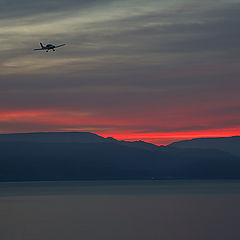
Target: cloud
x=146 y=66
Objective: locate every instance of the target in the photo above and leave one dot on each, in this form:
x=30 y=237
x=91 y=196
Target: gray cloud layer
x=120 y=55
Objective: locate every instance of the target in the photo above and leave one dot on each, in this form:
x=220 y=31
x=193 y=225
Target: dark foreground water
x=153 y=210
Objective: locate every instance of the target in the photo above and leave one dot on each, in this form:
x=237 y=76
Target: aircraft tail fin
x=41 y=45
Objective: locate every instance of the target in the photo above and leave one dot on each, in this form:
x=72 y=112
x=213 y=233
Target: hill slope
x=227 y=144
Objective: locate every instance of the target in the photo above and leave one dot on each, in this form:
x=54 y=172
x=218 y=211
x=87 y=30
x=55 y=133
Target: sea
x=120 y=210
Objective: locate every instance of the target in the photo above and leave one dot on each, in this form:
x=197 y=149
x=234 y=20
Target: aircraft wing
x=39 y=49
x=60 y=45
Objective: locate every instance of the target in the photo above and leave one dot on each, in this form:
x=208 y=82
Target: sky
x=158 y=71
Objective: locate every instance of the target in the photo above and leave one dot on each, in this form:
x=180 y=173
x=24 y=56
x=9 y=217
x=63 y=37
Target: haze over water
x=141 y=210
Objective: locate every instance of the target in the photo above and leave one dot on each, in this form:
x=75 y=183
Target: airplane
x=48 y=47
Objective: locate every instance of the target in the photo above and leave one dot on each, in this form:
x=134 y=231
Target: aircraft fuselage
x=49 y=47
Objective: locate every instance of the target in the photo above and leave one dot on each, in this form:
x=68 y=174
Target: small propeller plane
x=49 y=47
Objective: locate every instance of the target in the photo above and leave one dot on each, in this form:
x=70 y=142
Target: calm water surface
x=120 y=210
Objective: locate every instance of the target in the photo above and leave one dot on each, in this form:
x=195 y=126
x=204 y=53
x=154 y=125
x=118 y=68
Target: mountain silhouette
x=87 y=156
x=226 y=144
x=54 y=137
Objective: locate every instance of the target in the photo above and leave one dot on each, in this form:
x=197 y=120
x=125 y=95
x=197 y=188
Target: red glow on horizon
x=169 y=137
x=60 y=121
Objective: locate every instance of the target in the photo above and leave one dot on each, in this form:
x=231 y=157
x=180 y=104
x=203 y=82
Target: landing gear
x=53 y=49
x=47 y=51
